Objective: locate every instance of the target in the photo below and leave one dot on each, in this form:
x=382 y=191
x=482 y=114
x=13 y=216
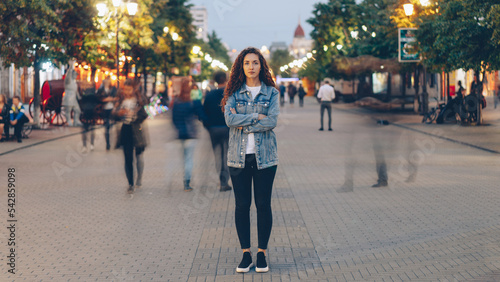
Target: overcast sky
x=243 y=23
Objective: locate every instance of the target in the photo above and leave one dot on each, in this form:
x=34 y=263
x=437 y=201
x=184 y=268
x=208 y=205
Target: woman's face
x=251 y=65
x=128 y=91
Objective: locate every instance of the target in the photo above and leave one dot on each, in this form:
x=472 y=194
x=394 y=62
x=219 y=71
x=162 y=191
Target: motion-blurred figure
x=184 y=111
x=219 y=131
x=107 y=95
x=130 y=110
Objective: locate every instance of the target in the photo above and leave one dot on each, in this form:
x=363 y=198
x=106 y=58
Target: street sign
x=406 y=46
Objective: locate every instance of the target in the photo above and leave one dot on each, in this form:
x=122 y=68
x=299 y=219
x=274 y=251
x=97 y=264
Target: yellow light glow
x=132 y=8
x=196 y=49
x=408 y=7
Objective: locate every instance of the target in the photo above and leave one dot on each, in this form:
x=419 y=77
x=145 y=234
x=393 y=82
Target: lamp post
x=409 y=9
x=132 y=8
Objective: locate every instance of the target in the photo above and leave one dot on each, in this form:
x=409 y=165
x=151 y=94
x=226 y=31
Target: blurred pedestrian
x=292 y=91
x=107 y=95
x=88 y=117
x=460 y=91
x=282 y=93
x=196 y=94
x=326 y=94
x=18 y=117
x=251 y=111
x=129 y=109
x=302 y=94
x=216 y=126
x=71 y=96
x=184 y=111
x=4 y=118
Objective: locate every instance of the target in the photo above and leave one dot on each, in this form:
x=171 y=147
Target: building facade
x=200 y=21
x=300 y=45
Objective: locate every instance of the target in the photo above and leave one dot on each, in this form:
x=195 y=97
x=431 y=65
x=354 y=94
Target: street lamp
x=132 y=8
x=408 y=7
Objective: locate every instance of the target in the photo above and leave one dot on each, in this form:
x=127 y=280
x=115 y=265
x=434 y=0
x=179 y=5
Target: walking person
x=282 y=93
x=107 y=95
x=130 y=110
x=302 y=94
x=326 y=94
x=216 y=126
x=89 y=102
x=4 y=118
x=292 y=91
x=18 y=117
x=251 y=110
x=184 y=111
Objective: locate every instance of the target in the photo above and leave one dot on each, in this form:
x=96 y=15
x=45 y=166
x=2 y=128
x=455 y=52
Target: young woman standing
x=130 y=110
x=251 y=109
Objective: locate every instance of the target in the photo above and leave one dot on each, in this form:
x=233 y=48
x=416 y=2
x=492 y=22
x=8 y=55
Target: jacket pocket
x=241 y=107
x=263 y=108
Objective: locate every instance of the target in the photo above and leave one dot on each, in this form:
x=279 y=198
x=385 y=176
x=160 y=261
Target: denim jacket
x=247 y=113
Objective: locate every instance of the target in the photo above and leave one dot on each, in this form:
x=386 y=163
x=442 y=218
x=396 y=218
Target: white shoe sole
x=244 y=270
x=260 y=270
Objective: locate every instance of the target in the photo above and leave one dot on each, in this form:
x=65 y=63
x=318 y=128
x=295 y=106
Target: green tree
x=280 y=58
x=461 y=36
x=175 y=15
x=219 y=50
x=38 y=31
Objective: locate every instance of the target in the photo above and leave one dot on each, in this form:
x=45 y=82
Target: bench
x=25 y=133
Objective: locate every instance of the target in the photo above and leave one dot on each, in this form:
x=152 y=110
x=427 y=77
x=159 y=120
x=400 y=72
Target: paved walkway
x=76 y=222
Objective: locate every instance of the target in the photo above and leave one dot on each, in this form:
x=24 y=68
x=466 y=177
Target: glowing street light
x=132 y=8
x=408 y=7
x=196 y=49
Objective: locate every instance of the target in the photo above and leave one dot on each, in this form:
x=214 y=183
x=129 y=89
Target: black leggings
x=127 y=141
x=263 y=186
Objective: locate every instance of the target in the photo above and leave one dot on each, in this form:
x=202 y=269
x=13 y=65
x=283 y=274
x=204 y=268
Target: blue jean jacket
x=247 y=113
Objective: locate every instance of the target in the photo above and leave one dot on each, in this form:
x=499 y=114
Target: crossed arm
x=253 y=122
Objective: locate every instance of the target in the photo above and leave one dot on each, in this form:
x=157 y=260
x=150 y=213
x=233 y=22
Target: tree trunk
x=403 y=89
x=145 y=74
x=36 y=93
x=389 y=86
x=154 y=83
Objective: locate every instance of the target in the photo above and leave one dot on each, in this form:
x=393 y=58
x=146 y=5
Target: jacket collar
x=264 y=89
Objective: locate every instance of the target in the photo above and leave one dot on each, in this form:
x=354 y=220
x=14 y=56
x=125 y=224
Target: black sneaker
x=321 y=129
x=246 y=263
x=225 y=188
x=379 y=184
x=261 y=263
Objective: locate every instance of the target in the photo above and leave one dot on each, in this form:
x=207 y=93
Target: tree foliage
x=462 y=35
x=278 y=59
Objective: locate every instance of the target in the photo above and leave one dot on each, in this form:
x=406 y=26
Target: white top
x=130 y=105
x=251 y=141
x=326 y=93
x=108 y=105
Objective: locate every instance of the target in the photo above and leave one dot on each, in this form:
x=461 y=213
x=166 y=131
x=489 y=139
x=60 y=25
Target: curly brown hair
x=237 y=76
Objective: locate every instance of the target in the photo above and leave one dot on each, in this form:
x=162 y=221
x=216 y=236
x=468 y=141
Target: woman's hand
x=233 y=111
x=261 y=116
